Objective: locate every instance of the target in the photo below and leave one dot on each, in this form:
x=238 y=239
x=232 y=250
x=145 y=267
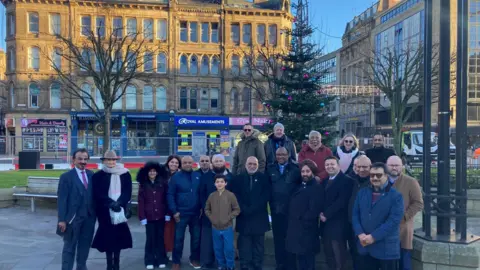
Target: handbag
x=117 y=217
x=128 y=210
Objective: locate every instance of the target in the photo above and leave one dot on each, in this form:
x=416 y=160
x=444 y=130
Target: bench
x=46 y=188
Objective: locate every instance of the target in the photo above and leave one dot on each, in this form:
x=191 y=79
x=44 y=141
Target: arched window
x=161 y=98
x=245 y=66
x=234 y=99
x=183 y=64
x=260 y=65
x=205 y=65
x=246 y=99
x=86 y=95
x=193 y=65
x=148 y=62
x=98 y=99
x=87 y=59
x=215 y=65
x=161 y=63
x=147 y=97
x=57 y=58
x=235 y=65
x=34 y=91
x=11 y=59
x=55 y=98
x=118 y=105
x=34 y=58
x=131 y=97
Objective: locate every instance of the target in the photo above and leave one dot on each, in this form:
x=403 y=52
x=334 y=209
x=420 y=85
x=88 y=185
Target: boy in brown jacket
x=221 y=208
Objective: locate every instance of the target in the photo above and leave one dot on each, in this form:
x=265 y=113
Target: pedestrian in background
x=205 y=165
x=316 y=152
x=379 y=153
x=276 y=140
x=305 y=207
x=172 y=166
x=221 y=208
x=249 y=146
x=112 y=191
x=346 y=152
x=152 y=209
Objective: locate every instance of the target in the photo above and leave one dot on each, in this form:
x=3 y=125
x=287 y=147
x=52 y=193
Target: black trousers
x=207 y=256
x=335 y=252
x=251 y=249
x=352 y=247
x=306 y=261
x=367 y=262
x=155 y=244
x=284 y=260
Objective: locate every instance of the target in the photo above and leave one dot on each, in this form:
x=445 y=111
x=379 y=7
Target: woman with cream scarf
x=112 y=190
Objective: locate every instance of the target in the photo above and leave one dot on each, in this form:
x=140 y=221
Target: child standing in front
x=221 y=208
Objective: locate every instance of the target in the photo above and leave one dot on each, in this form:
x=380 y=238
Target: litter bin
x=29 y=160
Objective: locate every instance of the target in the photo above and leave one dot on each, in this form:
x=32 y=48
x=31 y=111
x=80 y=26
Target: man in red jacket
x=316 y=151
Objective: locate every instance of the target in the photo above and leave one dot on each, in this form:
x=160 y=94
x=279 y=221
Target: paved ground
x=28 y=242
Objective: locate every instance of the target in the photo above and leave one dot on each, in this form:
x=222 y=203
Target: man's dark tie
x=84 y=180
x=251 y=182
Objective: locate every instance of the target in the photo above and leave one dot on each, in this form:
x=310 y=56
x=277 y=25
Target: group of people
x=338 y=200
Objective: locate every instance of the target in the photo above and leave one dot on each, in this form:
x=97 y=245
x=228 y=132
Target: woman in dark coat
x=305 y=206
x=152 y=208
x=112 y=190
x=173 y=165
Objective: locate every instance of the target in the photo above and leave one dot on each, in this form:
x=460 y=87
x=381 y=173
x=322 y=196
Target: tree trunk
x=106 y=130
x=397 y=125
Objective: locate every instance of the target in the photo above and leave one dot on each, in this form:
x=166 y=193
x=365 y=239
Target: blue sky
x=329 y=17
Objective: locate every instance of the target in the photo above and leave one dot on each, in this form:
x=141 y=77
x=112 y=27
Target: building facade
x=356 y=112
x=199 y=44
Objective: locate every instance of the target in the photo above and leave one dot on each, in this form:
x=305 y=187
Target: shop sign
x=201 y=121
x=256 y=121
x=43 y=123
x=56 y=134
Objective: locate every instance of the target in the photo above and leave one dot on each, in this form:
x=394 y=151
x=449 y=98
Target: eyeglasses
x=348 y=141
x=376 y=175
x=247 y=130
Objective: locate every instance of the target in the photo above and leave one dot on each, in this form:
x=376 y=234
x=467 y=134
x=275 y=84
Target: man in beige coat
x=413 y=203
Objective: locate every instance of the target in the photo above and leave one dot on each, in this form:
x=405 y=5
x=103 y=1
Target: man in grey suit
x=76 y=212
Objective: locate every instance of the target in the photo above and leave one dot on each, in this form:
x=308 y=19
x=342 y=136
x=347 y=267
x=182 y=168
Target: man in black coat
x=334 y=218
x=360 y=179
x=284 y=176
x=76 y=212
x=207 y=187
x=252 y=189
x=276 y=140
x=379 y=153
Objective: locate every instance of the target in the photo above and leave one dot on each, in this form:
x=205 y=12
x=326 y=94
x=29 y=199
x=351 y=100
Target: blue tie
x=282 y=167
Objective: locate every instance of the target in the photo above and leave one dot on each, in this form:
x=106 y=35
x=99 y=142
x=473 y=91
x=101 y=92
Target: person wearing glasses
x=334 y=217
x=249 y=146
x=347 y=151
x=377 y=214
x=379 y=153
x=413 y=203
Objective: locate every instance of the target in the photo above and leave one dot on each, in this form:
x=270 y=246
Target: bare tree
x=398 y=73
x=260 y=72
x=112 y=58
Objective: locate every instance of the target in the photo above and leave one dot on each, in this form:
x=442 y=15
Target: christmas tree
x=302 y=106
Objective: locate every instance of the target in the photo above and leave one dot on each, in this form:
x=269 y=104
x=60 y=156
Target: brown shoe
x=176 y=266
x=195 y=265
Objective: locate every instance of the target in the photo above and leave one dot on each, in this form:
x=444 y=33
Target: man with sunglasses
x=413 y=203
x=379 y=153
x=249 y=146
x=377 y=214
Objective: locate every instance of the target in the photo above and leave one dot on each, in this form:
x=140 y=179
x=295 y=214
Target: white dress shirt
x=79 y=173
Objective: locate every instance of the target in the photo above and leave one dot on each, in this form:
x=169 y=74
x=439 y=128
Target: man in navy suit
x=76 y=213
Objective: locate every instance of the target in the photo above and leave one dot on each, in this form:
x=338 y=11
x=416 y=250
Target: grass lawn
x=9 y=179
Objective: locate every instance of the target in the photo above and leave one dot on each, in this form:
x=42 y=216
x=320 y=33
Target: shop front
x=44 y=135
x=237 y=123
x=202 y=135
x=130 y=134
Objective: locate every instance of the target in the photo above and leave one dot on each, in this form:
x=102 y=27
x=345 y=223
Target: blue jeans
x=193 y=223
x=223 y=247
x=405 y=259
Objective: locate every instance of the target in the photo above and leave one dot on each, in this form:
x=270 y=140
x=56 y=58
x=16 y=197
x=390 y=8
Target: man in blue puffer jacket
x=183 y=200
x=376 y=218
